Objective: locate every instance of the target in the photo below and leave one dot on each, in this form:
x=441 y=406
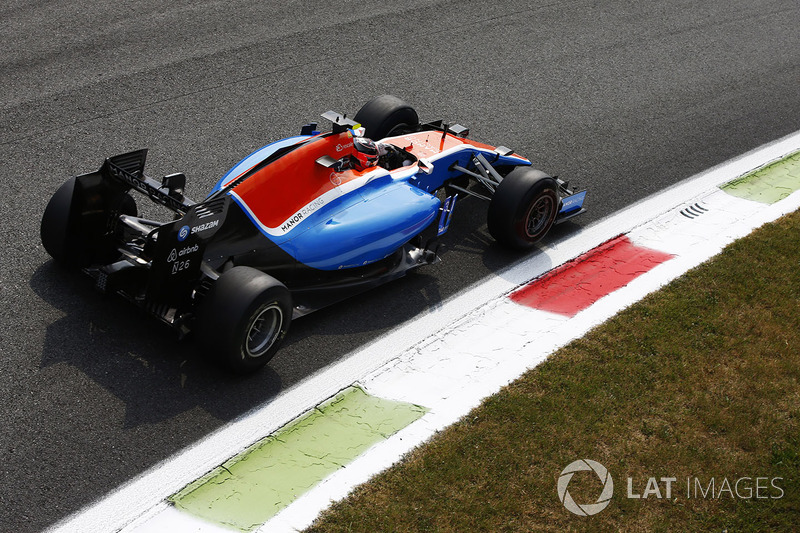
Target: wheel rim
x=263 y=331
x=539 y=216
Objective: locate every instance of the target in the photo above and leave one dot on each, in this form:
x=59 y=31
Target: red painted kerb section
x=574 y=286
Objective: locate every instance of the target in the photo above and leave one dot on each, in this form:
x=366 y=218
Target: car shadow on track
x=497 y=258
x=137 y=359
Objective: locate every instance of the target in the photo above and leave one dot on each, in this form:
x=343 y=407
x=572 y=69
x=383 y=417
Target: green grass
x=697 y=380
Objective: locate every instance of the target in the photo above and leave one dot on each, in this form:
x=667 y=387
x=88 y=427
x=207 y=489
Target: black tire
x=523 y=208
x=57 y=225
x=386 y=115
x=128 y=206
x=73 y=233
x=227 y=326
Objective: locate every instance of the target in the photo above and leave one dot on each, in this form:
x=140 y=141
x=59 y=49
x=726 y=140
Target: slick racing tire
x=523 y=208
x=244 y=319
x=74 y=233
x=385 y=116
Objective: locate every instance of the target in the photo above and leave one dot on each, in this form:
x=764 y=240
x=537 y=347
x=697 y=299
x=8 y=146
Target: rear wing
x=175 y=249
x=128 y=170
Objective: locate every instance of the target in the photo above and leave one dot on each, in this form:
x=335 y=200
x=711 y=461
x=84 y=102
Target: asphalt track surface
x=624 y=98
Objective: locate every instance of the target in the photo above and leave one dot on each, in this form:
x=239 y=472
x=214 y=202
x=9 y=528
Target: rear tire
x=56 y=229
x=385 y=116
x=244 y=319
x=523 y=208
x=75 y=234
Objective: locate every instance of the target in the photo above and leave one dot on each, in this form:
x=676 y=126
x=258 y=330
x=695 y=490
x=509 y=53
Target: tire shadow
x=136 y=358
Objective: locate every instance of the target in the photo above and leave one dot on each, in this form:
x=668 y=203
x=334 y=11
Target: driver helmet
x=366 y=152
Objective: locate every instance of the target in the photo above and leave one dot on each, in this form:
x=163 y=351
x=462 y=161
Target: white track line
x=141 y=499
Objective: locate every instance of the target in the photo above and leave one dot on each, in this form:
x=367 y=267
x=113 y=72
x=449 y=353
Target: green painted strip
x=769 y=184
x=252 y=487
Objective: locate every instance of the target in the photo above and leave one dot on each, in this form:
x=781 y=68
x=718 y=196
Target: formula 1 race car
x=295 y=226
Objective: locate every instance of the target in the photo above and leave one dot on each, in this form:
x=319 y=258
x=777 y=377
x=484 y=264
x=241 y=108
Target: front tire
x=385 y=116
x=523 y=208
x=244 y=319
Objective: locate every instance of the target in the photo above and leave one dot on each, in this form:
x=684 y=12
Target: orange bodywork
x=283 y=187
x=429 y=143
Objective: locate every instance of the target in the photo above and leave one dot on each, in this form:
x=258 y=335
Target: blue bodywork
x=364 y=227
x=358 y=225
